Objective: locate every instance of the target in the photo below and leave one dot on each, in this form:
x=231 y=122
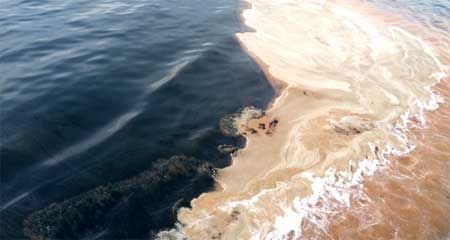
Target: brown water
x=361 y=148
x=409 y=198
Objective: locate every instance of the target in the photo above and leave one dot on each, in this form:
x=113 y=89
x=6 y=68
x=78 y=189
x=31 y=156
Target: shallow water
x=95 y=91
x=408 y=198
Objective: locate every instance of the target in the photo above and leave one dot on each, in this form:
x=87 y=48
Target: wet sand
x=354 y=153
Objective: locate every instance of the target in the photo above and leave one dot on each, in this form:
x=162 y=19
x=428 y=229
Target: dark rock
x=273 y=123
x=234 y=215
x=272 y=126
x=252 y=131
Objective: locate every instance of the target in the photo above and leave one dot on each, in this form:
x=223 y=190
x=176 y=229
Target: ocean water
x=110 y=114
x=94 y=92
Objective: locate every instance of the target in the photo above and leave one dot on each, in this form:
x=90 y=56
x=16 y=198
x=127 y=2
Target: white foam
x=173 y=72
x=335 y=187
x=15 y=200
x=98 y=137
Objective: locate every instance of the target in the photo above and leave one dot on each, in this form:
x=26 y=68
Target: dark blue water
x=94 y=92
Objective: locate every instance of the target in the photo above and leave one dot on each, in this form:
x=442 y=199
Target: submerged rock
x=228 y=126
x=87 y=213
x=238 y=123
x=352 y=125
x=227 y=149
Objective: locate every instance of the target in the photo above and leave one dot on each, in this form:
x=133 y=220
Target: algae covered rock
x=89 y=212
x=238 y=123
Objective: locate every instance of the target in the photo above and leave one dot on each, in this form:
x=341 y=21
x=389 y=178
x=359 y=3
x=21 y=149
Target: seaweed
x=88 y=212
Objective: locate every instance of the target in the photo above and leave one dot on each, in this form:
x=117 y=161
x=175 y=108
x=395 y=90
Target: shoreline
x=276 y=84
x=332 y=127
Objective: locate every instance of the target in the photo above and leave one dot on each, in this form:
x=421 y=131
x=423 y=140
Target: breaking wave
x=358 y=142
